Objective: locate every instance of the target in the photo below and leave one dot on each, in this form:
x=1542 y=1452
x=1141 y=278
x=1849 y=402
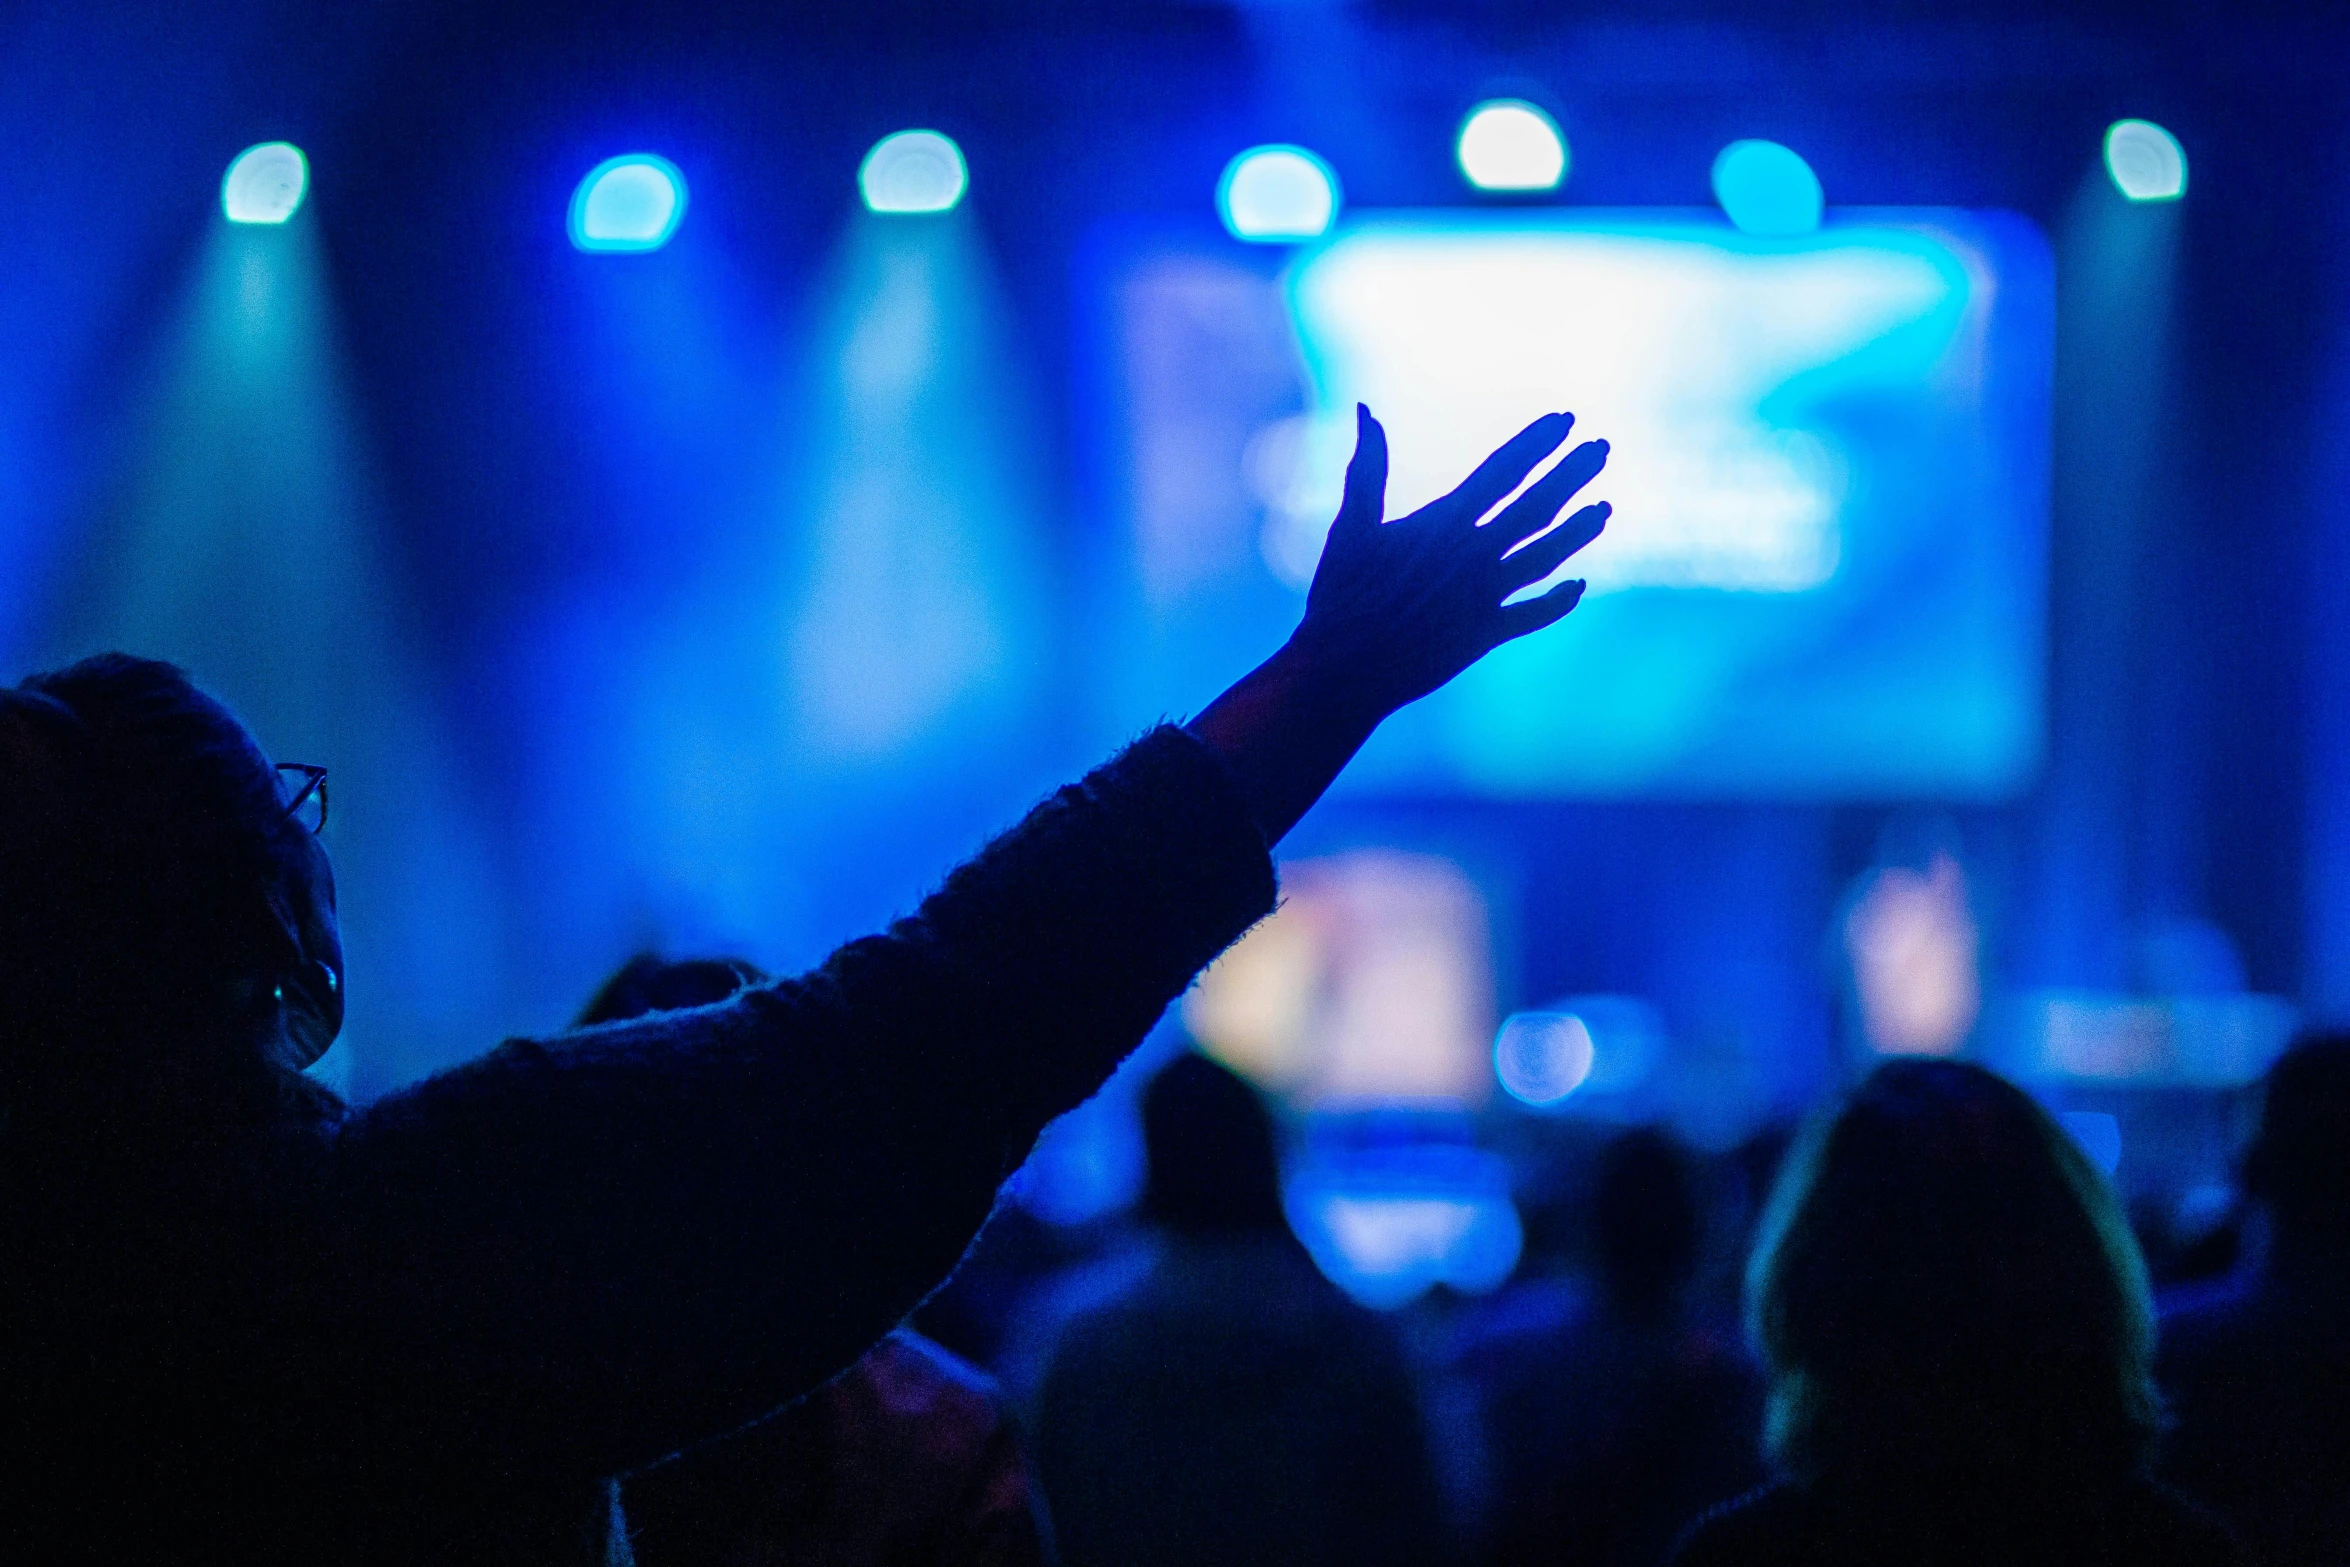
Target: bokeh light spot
x=913 y=171
x=629 y=203
x=1510 y=144
x=1272 y=194
x=1767 y=189
x=2146 y=162
x=265 y=184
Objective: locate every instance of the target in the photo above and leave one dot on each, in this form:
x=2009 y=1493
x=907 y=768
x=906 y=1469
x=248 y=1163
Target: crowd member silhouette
x=1231 y=1406
x=905 y=1459
x=244 y=1320
x=2258 y=1372
x=1617 y=1415
x=1956 y=1327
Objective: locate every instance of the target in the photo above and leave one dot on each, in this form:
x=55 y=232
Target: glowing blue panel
x=913 y=171
x=1767 y=189
x=1387 y=1224
x=1825 y=574
x=265 y=184
x=2146 y=162
x=1512 y=145
x=630 y=203
x=1272 y=195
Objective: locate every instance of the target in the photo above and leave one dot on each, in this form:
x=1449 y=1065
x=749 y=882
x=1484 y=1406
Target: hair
x=1213 y=1164
x=2299 y=1164
x=145 y=860
x=1943 y=1282
x=1645 y=1220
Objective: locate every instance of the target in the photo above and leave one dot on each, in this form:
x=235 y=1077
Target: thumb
x=1365 y=502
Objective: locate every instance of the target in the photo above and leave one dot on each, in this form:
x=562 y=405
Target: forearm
x=650 y=1232
x=1284 y=732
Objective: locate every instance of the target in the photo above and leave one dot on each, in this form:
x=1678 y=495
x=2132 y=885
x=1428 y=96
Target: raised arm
x=1399 y=608
x=575 y=1256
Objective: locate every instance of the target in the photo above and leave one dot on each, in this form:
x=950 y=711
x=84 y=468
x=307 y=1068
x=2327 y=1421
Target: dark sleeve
x=583 y=1253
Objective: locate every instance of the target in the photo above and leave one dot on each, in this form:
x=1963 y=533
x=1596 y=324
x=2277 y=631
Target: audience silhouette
x=245 y=1319
x=1617 y=1414
x=1958 y=1336
x=906 y=1459
x=2258 y=1371
x=1231 y=1406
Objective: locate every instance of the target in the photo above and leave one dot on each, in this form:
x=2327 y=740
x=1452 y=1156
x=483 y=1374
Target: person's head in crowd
x=167 y=917
x=646 y=983
x=1208 y=1139
x=1645 y=1221
x=1945 y=1285
x=2299 y=1164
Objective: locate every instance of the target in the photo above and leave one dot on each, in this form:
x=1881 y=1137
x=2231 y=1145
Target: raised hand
x=1398 y=608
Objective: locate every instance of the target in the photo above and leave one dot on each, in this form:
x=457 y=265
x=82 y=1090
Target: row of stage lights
x=1268 y=195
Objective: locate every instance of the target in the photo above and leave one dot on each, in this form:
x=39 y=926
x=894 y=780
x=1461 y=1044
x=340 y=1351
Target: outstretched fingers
x=1533 y=562
x=1533 y=511
x=1506 y=469
x=1542 y=610
x=1365 y=502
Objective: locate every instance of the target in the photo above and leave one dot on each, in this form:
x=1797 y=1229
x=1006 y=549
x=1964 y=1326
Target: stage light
x=1541 y=1057
x=2146 y=162
x=265 y=184
x=1767 y=189
x=629 y=203
x=1914 y=947
x=913 y=171
x=1273 y=194
x=1511 y=145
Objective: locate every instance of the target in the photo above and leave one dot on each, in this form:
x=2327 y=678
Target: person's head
x=646 y=983
x=1644 y=1220
x=1209 y=1142
x=2299 y=1165
x=1944 y=1282
x=161 y=910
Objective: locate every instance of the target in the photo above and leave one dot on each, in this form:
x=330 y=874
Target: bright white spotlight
x=630 y=203
x=1767 y=189
x=1273 y=194
x=1510 y=144
x=265 y=184
x=913 y=171
x=2146 y=161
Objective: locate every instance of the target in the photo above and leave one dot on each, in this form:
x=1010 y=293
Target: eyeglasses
x=305 y=787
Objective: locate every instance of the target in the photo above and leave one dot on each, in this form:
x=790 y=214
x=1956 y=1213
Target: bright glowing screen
x=1825 y=573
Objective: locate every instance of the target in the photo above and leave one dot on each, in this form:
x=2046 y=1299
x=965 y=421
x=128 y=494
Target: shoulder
x=1771 y=1524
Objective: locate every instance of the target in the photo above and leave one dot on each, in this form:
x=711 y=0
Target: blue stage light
x=265 y=184
x=1767 y=189
x=1510 y=144
x=913 y=171
x=1274 y=194
x=629 y=203
x=1541 y=1057
x=2146 y=161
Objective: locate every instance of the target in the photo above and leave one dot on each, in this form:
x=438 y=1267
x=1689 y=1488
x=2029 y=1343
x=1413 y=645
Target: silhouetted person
x=1615 y=1416
x=240 y=1319
x=906 y=1459
x=1231 y=1406
x=1956 y=1326
x=2258 y=1372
